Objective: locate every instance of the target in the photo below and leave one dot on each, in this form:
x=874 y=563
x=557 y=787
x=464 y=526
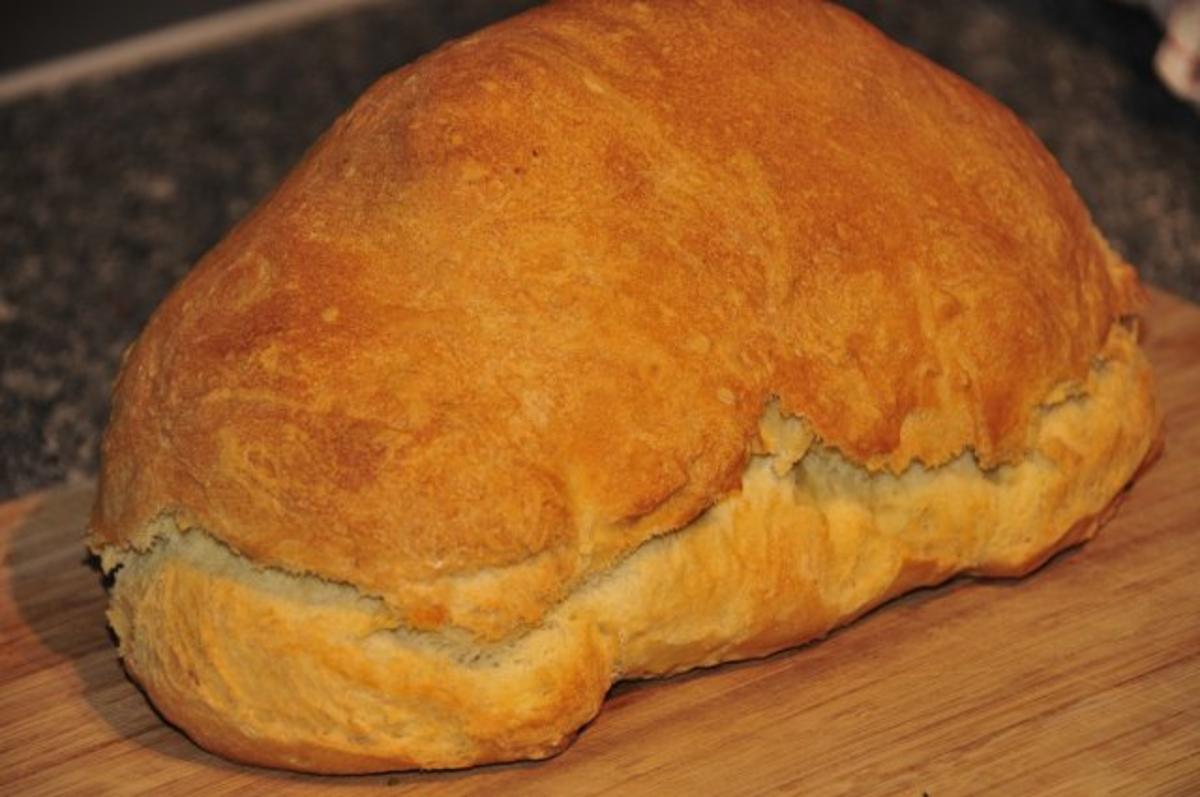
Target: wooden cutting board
x=1083 y=679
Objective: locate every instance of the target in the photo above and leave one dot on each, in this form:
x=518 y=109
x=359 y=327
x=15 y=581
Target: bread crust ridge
x=809 y=542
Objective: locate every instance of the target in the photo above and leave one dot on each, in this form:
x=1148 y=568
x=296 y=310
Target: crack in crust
x=809 y=542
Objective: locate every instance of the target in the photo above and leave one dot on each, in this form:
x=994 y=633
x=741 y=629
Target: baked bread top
x=524 y=306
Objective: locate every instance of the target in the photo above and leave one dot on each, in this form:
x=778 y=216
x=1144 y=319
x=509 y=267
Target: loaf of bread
x=618 y=339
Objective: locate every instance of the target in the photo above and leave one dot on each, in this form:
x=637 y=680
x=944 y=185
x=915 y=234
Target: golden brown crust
x=519 y=314
x=603 y=233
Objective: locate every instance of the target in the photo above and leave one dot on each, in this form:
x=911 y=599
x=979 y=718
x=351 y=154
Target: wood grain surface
x=1083 y=679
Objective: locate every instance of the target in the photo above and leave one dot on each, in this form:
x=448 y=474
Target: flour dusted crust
x=617 y=339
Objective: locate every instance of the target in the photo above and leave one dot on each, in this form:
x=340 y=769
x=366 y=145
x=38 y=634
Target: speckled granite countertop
x=110 y=191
